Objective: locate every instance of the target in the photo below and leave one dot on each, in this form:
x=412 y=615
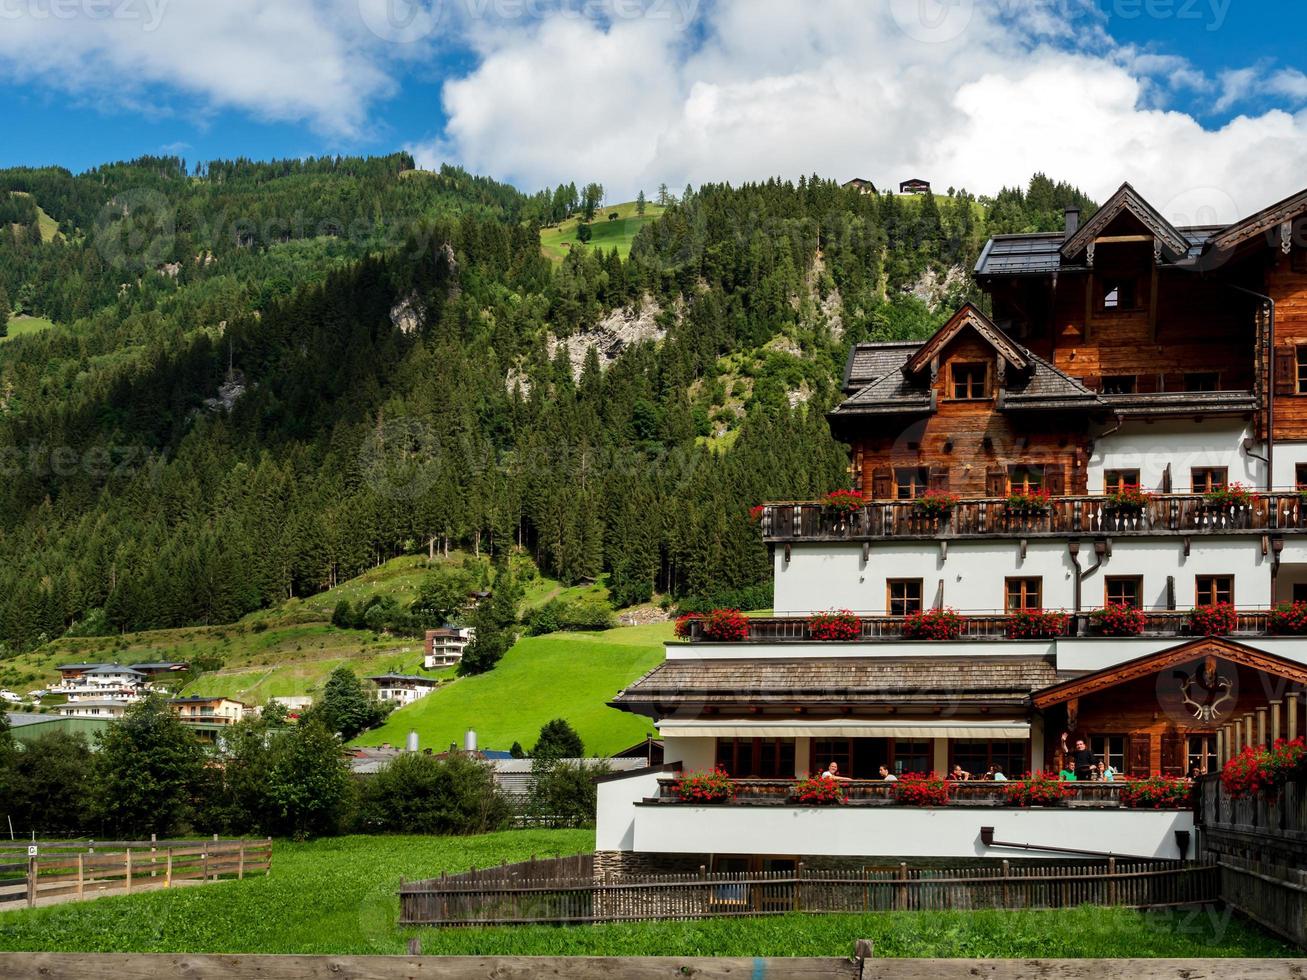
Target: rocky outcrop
x=229 y=393
x=615 y=333
x=933 y=289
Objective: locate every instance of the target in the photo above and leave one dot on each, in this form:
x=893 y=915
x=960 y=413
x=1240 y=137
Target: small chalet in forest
x=861 y=184
x=914 y=186
x=1083 y=514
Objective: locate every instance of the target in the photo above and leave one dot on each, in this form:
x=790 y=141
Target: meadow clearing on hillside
x=607 y=234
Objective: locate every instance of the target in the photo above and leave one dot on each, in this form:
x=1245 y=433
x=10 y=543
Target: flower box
x=1031 y=503
x=725 y=626
x=1037 y=789
x=1128 y=500
x=835 y=626
x=914 y=789
x=935 y=503
x=1233 y=495
x=710 y=786
x=1157 y=793
x=1220 y=619
x=1289 y=619
x=1119 y=619
x=844 y=502
x=818 y=792
x=685 y=625
x=1037 y=624
x=934 y=624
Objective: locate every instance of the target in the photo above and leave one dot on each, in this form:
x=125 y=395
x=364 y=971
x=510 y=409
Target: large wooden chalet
x=1126 y=429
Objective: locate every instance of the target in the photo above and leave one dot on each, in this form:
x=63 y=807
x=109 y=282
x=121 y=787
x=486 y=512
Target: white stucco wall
x=972 y=577
x=616 y=810
x=1148 y=448
x=902 y=831
x=1287 y=457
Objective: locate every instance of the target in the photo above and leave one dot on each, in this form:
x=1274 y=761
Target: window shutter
x=1286 y=371
x=882 y=483
x=1170 y=593
x=1166 y=479
x=1140 y=756
x=996 y=482
x=939 y=478
x=1172 y=754
x=1055 y=479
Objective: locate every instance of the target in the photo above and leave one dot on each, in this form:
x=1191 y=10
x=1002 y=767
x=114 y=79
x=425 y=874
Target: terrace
x=1163 y=514
x=872 y=793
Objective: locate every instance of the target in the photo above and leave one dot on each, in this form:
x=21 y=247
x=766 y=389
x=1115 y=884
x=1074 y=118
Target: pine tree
x=640 y=203
x=5 y=311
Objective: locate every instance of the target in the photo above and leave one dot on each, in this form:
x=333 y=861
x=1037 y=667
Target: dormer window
x=969 y=381
x=1120 y=384
x=1119 y=296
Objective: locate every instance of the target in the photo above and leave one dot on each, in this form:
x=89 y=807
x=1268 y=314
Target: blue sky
x=1183 y=96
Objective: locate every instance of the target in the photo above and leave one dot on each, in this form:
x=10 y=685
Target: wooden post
x=1261 y=728
x=903 y=888
x=81 y=877
x=1220 y=748
x=127 y=863
x=31 y=882
x=1111 y=881
x=1275 y=721
x=167 y=871
x=798 y=888
x=1293 y=714
x=240 y=863
x=1248 y=729
x=1007 y=873
x=154 y=850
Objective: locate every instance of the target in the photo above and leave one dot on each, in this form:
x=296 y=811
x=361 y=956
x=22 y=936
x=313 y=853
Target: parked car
x=11 y=697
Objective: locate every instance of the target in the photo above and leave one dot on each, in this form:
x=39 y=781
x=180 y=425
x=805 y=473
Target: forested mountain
x=268 y=377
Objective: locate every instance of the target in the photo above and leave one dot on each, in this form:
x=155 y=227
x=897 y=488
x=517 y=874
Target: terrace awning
x=970 y=728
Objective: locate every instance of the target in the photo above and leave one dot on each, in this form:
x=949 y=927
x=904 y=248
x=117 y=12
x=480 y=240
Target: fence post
x=81 y=877
x=127 y=864
x=31 y=882
x=1111 y=881
x=154 y=850
x=798 y=888
x=167 y=871
x=903 y=888
x=1007 y=873
x=240 y=862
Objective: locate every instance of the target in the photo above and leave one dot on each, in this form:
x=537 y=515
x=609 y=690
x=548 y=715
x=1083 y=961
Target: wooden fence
x=71 y=871
x=560 y=892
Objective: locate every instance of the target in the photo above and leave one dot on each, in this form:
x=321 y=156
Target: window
x=1300 y=591
x=1114 y=481
x=1301 y=368
x=913 y=756
x=977 y=757
x=911 y=482
x=1201 y=753
x=1110 y=750
x=1120 y=384
x=1202 y=381
x=1213 y=590
x=1025 y=479
x=759 y=758
x=828 y=750
x=904 y=596
x=1024 y=594
x=1205 y=479
x=1125 y=590
x=1120 y=295
x=1300 y=476
x=970 y=381
x=1298 y=263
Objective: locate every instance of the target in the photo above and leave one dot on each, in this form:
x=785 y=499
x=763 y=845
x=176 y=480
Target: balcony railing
x=992 y=517
x=797 y=629
x=778 y=792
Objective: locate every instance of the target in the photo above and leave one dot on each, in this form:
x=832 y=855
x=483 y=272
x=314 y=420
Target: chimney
x=1072 y=221
x=412 y=745
x=470 y=741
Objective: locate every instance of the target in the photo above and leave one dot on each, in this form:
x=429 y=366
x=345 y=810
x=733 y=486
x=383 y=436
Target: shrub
x=1033 y=502
x=845 y=501
x=421 y=794
x=1157 y=793
x=1036 y=624
x=685 y=624
x=818 y=792
x=836 y=625
x=564 y=794
x=1120 y=619
x=725 y=626
x=1037 y=789
x=914 y=789
x=1232 y=495
x=935 y=503
x=934 y=624
x=758 y=596
x=1129 y=498
x=1220 y=619
x=710 y=786
x=1290 y=619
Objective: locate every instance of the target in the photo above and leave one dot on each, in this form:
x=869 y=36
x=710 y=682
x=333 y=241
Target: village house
x=112 y=682
x=101 y=710
x=445 y=646
x=860 y=184
x=403 y=689
x=914 y=186
x=1077 y=516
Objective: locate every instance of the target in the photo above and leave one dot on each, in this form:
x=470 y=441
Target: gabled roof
x=892 y=394
x=1045 y=386
x=1290 y=209
x=1128 y=200
x=871 y=362
x=968 y=316
x=1147 y=666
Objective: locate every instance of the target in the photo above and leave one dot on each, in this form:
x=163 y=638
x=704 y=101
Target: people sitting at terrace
x=996 y=774
x=833 y=772
x=959 y=774
x=888 y=776
x=1110 y=773
x=1081 y=758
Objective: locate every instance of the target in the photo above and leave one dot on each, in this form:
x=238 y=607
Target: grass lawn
x=22 y=326
x=339 y=897
x=563 y=675
x=49 y=227
x=607 y=234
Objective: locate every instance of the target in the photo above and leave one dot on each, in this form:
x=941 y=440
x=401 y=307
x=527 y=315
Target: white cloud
x=297 y=60
x=765 y=87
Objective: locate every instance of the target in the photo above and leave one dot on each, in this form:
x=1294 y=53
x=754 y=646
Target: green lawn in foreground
x=606 y=234
x=339 y=896
x=563 y=675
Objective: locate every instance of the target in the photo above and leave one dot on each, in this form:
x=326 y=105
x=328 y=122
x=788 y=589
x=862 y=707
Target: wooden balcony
x=860 y=792
x=795 y=629
x=1171 y=514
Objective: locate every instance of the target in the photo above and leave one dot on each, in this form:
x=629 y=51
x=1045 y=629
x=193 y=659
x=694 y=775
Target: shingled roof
x=871 y=362
x=838 y=682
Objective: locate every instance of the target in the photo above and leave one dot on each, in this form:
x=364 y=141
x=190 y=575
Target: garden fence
x=566 y=891
x=40 y=872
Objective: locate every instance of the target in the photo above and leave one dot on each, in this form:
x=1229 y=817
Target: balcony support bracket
x=1188 y=544
x=1023 y=549
x=866 y=553
x=943 y=552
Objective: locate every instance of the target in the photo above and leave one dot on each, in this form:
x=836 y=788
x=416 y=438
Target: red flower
x=1121 y=620
x=934 y=624
x=914 y=789
x=1037 y=789
x=1157 y=793
x=684 y=624
x=1036 y=624
x=1220 y=619
x=755 y=513
x=818 y=792
x=725 y=626
x=711 y=786
x=840 y=625
x=844 y=500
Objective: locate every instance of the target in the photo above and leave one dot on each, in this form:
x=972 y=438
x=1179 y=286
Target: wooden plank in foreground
x=79 y=966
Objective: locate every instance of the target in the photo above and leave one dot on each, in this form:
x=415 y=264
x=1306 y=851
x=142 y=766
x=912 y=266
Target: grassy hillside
x=556 y=241
x=49 y=227
x=563 y=675
x=20 y=326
